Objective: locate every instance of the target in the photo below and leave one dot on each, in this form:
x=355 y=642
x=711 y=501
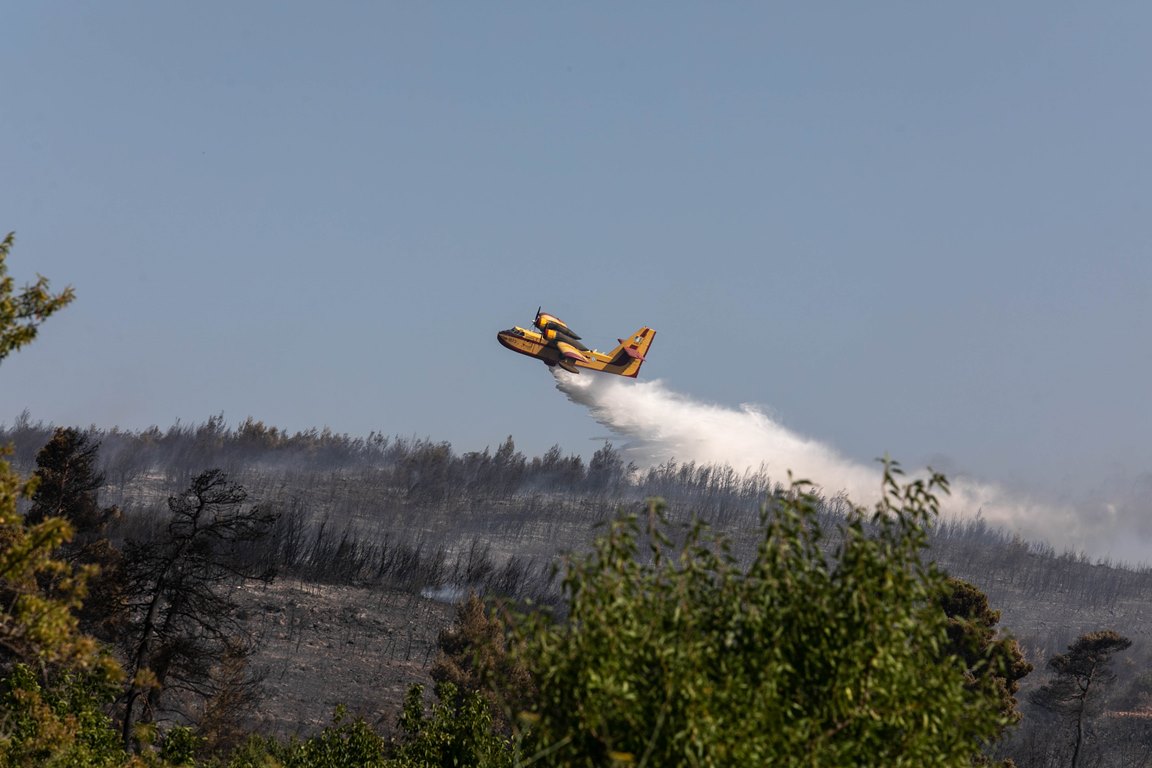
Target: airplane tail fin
x=629 y=355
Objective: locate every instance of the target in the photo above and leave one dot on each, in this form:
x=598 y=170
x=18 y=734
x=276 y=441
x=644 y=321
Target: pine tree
x=1080 y=676
x=68 y=486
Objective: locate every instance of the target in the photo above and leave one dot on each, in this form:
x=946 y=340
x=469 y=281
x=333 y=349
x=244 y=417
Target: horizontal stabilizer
x=631 y=351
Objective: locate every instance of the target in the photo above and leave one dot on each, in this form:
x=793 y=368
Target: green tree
x=22 y=313
x=65 y=724
x=993 y=664
x=36 y=624
x=823 y=650
x=1080 y=675
x=458 y=732
x=39 y=591
x=55 y=679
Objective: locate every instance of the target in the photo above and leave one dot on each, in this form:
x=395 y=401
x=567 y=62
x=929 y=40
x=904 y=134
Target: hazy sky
x=918 y=228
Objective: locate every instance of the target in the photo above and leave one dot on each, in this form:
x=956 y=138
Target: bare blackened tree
x=605 y=469
x=182 y=620
x=508 y=466
x=1079 y=675
x=554 y=471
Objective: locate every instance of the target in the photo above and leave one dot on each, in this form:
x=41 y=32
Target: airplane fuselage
x=532 y=344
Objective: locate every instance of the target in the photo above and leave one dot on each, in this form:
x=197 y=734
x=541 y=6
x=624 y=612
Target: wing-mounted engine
x=556 y=331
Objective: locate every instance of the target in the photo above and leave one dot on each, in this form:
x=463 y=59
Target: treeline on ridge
x=414 y=512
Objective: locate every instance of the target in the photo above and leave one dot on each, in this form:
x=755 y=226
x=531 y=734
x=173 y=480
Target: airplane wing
x=569 y=351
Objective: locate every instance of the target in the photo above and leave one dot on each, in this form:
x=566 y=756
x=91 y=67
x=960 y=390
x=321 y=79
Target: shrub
x=827 y=648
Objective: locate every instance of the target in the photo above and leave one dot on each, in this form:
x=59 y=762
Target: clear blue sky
x=918 y=228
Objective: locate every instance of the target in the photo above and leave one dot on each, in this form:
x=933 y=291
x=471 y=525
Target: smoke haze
x=657 y=425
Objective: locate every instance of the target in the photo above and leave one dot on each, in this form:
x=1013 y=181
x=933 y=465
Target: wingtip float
x=552 y=341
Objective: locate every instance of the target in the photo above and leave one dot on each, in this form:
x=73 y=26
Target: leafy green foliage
x=180 y=745
x=992 y=663
x=346 y=743
x=828 y=648
x=21 y=313
x=62 y=725
x=37 y=624
x=458 y=732
x=990 y=660
x=54 y=716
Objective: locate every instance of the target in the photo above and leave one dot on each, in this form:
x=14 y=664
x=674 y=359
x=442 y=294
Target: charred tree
x=182 y=620
x=605 y=470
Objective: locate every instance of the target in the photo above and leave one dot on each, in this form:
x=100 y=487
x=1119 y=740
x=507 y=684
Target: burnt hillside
x=375 y=534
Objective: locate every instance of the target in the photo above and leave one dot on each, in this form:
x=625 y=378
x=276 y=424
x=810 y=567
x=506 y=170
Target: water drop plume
x=656 y=424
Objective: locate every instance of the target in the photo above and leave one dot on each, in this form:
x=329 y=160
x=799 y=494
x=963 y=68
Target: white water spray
x=657 y=425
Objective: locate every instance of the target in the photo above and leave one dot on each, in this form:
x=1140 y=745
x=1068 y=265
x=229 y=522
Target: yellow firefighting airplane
x=556 y=344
